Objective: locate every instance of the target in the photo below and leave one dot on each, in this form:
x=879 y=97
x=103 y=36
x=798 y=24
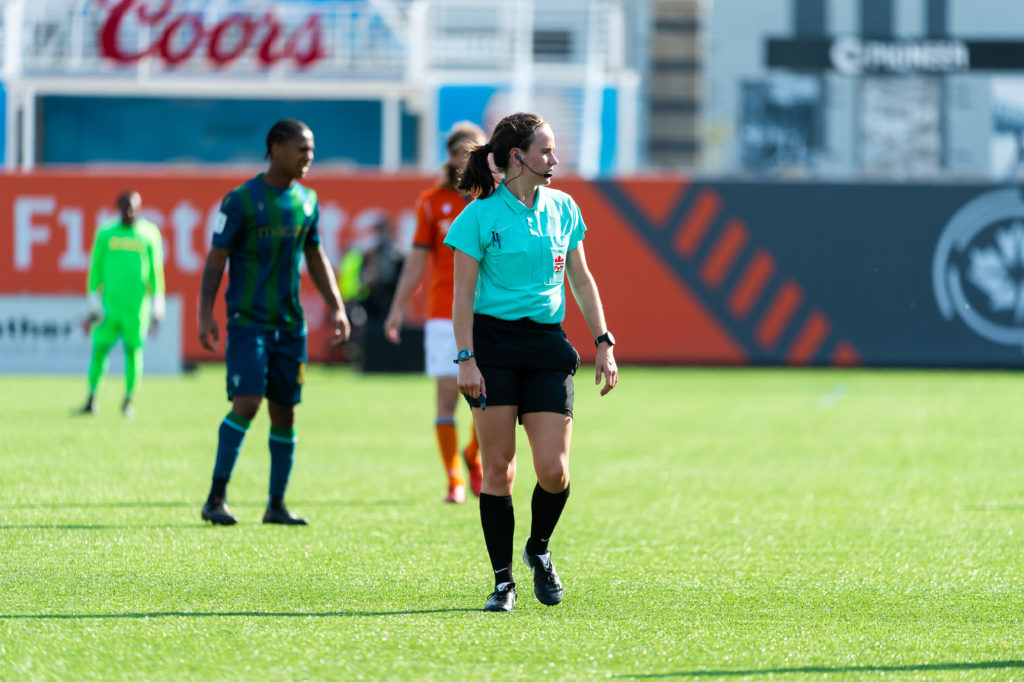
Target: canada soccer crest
x=559 y=263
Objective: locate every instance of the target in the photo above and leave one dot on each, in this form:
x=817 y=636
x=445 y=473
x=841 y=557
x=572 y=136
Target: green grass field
x=723 y=524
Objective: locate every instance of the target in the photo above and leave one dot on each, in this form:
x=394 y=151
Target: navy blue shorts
x=525 y=363
x=268 y=363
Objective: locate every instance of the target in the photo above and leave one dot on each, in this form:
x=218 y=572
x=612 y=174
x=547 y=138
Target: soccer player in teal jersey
x=264 y=228
x=126 y=277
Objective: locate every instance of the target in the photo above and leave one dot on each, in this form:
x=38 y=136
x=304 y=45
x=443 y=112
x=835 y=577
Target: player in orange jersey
x=436 y=209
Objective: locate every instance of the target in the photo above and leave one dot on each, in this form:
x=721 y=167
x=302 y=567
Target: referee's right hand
x=470 y=380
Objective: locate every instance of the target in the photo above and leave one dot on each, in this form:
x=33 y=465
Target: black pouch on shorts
x=574 y=358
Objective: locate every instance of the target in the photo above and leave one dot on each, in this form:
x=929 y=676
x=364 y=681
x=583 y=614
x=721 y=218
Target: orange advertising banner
x=49 y=219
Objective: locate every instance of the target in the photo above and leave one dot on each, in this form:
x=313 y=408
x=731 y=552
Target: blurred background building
x=830 y=88
x=865 y=88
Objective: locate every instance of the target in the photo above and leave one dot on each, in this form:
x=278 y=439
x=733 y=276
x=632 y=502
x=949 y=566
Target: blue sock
x=229 y=443
x=282 y=454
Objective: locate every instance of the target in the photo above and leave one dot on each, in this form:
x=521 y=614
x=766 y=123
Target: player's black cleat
x=126 y=408
x=283 y=516
x=502 y=599
x=546 y=584
x=90 y=406
x=216 y=512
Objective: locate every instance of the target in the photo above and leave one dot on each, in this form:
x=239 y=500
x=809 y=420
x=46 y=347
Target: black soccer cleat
x=90 y=406
x=126 y=408
x=546 y=584
x=284 y=517
x=216 y=512
x=502 y=599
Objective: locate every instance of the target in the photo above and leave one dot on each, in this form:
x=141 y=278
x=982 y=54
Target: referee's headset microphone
x=519 y=158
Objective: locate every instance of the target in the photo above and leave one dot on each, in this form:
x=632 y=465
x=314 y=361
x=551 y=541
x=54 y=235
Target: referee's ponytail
x=513 y=131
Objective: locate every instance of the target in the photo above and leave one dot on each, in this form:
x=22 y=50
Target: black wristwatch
x=463 y=356
x=606 y=338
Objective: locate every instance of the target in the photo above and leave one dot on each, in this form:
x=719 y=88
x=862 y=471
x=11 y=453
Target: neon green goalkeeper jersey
x=127 y=266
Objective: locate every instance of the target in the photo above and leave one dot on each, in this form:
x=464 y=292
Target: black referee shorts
x=525 y=363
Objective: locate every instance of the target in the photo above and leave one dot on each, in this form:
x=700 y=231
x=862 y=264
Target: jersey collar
x=514 y=203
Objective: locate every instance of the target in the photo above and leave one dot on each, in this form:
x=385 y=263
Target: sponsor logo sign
x=854 y=56
x=49 y=334
x=135 y=29
x=978 y=267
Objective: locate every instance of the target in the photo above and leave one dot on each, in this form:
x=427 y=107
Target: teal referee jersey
x=521 y=251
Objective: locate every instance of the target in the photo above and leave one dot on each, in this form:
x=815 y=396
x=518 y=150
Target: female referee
x=513 y=248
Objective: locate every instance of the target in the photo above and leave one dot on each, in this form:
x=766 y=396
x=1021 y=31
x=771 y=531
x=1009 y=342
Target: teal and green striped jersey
x=266 y=229
x=127 y=266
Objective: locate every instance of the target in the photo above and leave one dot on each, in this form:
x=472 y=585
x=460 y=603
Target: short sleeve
x=313 y=235
x=229 y=224
x=578 y=228
x=464 y=234
x=424 y=225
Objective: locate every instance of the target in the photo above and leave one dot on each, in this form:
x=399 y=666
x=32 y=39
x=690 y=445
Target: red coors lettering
x=178 y=37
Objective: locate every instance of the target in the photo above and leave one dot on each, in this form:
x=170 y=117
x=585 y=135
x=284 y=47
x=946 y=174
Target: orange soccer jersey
x=435 y=211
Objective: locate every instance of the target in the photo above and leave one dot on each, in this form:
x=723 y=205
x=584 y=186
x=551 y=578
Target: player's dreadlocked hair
x=515 y=130
x=284 y=130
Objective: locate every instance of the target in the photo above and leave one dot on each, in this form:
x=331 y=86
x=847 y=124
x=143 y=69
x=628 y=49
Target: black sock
x=218 y=490
x=499 y=522
x=503 y=576
x=276 y=502
x=546 y=508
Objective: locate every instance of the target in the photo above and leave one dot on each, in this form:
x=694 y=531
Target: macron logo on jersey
x=220 y=222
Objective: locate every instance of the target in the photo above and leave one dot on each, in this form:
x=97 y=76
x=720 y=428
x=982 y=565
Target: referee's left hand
x=605 y=364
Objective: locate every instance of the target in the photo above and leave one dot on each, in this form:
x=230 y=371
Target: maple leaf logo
x=998 y=270
x=978 y=266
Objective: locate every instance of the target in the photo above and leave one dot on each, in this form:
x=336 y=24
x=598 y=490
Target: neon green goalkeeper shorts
x=132 y=329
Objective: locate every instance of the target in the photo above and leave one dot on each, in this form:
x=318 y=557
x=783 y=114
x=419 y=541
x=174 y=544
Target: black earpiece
x=519 y=157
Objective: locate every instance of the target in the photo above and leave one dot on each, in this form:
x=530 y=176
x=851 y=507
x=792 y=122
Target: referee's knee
x=553 y=478
x=499 y=477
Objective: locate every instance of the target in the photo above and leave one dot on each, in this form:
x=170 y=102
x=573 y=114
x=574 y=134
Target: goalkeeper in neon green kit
x=126 y=277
